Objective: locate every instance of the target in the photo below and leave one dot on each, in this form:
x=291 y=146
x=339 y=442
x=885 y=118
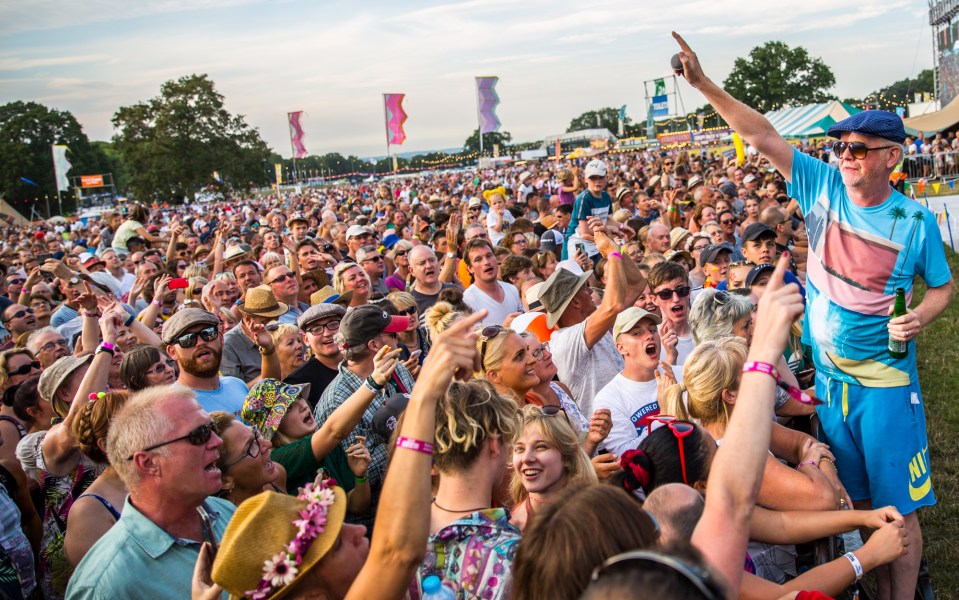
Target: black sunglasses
x=20 y=313
x=667 y=294
x=188 y=340
x=728 y=221
x=408 y=311
x=400 y=253
x=282 y=278
x=859 y=149
x=487 y=334
x=196 y=437
x=24 y=368
x=698 y=577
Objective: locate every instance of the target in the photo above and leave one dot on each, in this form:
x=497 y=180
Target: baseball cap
x=728 y=188
x=710 y=252
x=387 y=416
x=595 y=168
x=551 y=240
x=88 y=260
x=877 y=123
x=57 y=374
x=363 y=323
x=317 y=312
x=757 y=230
x=389 y=240
x=749 y=178
x=628 y=319
x=356 y=231
x=184 y=319
x=756 y=271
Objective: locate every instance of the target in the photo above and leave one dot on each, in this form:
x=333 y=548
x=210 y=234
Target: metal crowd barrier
x=937 y=165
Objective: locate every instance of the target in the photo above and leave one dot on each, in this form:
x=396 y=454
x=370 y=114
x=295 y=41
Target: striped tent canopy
x=809 y=120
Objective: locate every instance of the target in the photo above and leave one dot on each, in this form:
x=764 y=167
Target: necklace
x=469 y=510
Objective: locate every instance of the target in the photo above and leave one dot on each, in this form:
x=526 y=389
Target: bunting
x=487 y=100
x=395 y=117
x=296 y=134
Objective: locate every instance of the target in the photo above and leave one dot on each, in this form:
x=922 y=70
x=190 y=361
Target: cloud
x=555 y=60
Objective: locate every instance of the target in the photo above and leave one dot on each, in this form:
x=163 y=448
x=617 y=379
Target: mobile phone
x=208 y=531
x=178 y=283
x=581 y=248
x=415 y=353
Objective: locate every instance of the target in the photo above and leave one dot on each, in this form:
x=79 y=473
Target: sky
x=334 y=60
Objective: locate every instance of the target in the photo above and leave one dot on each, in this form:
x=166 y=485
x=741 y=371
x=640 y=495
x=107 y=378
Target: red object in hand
x=178 y=283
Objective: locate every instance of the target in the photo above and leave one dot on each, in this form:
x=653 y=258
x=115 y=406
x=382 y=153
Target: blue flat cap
x=877 y=123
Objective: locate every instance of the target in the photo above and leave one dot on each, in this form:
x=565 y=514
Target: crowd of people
x=521 y=380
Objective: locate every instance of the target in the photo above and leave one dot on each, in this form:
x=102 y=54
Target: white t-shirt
x=630 y=404
x=492 y=219
x=477 y=300
x=584 y=370
x=684 y=347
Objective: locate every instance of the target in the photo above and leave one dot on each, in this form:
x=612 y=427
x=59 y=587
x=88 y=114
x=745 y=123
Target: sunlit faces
x=291 y=351
x=517 y=370
x=761 y=251
x=717 y=271
x=675 y=307
x=544 y=368
x=539 y=465
x=298 y=421
x=247 y=457
x=320 y=336
x=483 y=264
x=641 y=345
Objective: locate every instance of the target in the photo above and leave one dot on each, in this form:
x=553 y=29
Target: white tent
x=809 y=120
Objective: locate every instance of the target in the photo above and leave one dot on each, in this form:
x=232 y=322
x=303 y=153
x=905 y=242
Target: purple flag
x=395 y=117
x=488 y=100
x=296 y=134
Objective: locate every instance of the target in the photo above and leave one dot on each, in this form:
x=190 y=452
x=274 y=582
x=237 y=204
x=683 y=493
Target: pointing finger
x=682 y=43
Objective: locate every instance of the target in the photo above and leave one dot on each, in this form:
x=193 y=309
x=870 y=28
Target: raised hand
x=88 y=298
x=358 y=456
x=692 y=70
x=384 y=363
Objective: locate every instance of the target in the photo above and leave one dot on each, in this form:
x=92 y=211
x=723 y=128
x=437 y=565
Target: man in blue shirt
x=592 y=202
x=163 y=447
x=865 y=241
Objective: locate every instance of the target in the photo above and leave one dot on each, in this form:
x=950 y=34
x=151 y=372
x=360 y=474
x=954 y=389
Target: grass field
x=938 y=364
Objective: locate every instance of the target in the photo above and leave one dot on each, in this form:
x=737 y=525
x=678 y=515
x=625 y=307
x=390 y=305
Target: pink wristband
x=417 y=445
x=807 y=462
x=615 y=255
x=761 y=367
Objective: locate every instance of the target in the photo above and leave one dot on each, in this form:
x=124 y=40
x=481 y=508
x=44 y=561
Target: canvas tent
x=937 y=121
x=809 y=120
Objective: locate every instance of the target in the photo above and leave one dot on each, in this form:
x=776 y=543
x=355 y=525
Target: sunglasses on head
x=698 y=577
x=188 y=340
x=552 y=411
x=24 y=368
x=196 y=437
x=667 y=294
x=859 y=150
x=487 y=334
x=680 y=429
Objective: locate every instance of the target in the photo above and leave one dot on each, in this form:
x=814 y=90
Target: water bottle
x=434 y=589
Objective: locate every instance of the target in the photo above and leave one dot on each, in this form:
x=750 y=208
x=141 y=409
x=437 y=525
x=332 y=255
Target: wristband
x=856 y=565
x=614 y=255
x=372 y=384
x=417 y=445
x=363 y=479
x=761 y=367
x=90 y=315
x=265 y=353
x=106 y=347
x=157 y=302
x=130 y=320
x=807 y=462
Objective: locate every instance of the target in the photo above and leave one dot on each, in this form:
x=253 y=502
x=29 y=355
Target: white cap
x=524 y=176
x=356 y=230
x=594 y=168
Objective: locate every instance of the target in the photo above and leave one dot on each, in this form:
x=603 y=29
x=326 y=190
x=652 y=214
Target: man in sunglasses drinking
x=193 y=340
x=865 y=241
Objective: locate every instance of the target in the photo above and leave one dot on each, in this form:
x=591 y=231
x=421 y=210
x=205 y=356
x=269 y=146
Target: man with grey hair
x=48 y=345
x=163 y=446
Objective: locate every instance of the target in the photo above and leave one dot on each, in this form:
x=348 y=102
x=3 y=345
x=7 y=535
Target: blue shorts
x=878 y=436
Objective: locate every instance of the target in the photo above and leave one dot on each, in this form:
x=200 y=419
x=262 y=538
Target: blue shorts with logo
x=878 y=436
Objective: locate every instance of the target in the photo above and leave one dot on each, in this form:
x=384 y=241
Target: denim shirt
x=138 y=559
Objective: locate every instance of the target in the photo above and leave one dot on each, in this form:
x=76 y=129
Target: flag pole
x=386 y=126
x=479 y=120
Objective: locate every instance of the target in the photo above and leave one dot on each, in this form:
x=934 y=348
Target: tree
x=607 y=118
x=502 y=138
x=27 y=131
x=173 y=143
x=776 y=75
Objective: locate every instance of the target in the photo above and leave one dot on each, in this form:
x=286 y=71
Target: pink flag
x=395 y=117
x=296 y=134
x=488 y=100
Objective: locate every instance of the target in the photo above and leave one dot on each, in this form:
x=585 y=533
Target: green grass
x=938 y=363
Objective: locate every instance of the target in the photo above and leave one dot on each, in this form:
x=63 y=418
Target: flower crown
x=283 y=567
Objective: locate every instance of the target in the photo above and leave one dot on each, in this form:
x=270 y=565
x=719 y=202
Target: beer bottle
x=898 y=349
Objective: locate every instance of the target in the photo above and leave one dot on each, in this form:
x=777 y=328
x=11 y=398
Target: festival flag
x=935 y=187
x=487 y=100
x=278 y=167
x=60 y=167
x=395 y=117
x=952 y=184
x=296 y=134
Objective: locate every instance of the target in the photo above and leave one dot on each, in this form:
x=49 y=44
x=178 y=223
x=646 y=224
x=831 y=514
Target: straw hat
x=325 y=294
x=261 y=302
x=261 y=527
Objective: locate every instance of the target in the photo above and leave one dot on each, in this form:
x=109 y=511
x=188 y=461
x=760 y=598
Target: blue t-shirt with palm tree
x=858 y=256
